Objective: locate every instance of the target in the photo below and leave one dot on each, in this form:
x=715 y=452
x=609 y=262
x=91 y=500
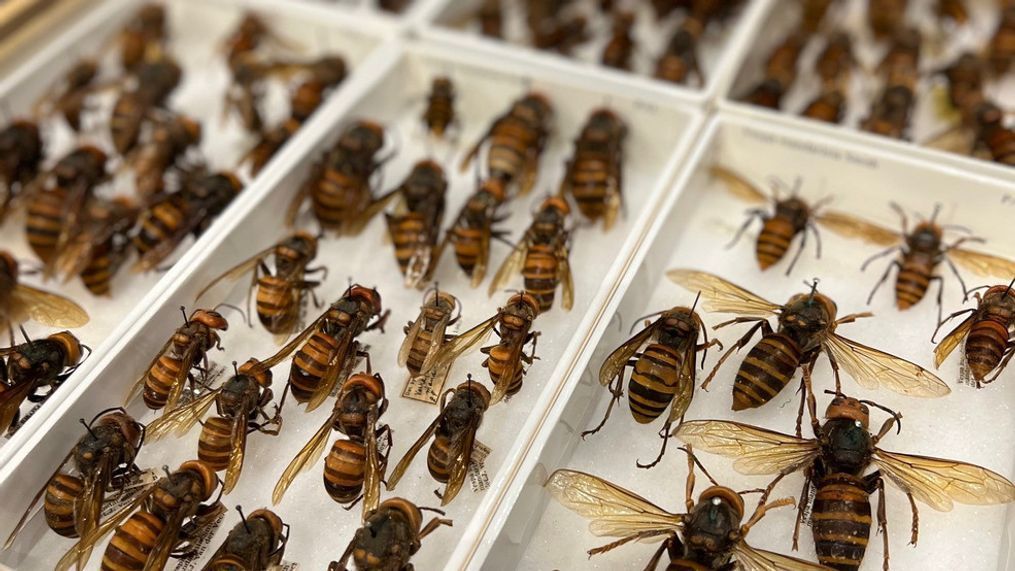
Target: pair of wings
x=869 y=367
x=437 y=374
x=179 y=381
x=618 y=359
x=80 y=250
x=440 y=361
x=514 y=263
x=616 y=512
x=193 y=220
x=29 y=303
x=934 y=481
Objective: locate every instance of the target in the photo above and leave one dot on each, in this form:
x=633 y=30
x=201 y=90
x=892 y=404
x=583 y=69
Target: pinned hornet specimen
x=835 y=464
x=454 y=438
x=33 y=366
x=507 y=359
x=1001 y=49
x=170 y=139
x=280 y=293
x=240 y=405
x=834 y=66
x=920 y=251
x=780 y=72
x=100 y=463
x=187 y=349
x=679 y=61
x=806 y=328
x=594 y=173
x=328 y=347
x=21 y=155
x=988 y=334
x=389 y=538
x=154 y=526
x=99 y=250
x=708 y=537
x=542 y=256
x=415 y=225
x=355 y=467
x=339 y=186
x=620 y=47
x=151 y=86
x=515 y=141
x=425 y=339
x=662 y=375
x=891 y=112
x=20 y=302
x=190 y=210
x=143 y=37
x=981 y=133
x=473 y=229
x=257 y=542
x=439 y=114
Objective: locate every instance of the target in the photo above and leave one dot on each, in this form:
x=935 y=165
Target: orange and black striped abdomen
x=509 y=150
x=498 y=364
x=773 y=241
x=914 y=278
x=159 y=223
x=98 y=274
x=827 y=107
x=593 y=178
x=310 y=364
x=159 y=381
x=653 y=382
x=439 y=114
x=214 y=446
x=409 y=234
x=125 y=122
x=62 y=493
x=345 y=470
x=45 y=221
x=985 y=346
x=419 y=350
x=338 y=197
x=540 y=273
x=468 y=247
x=277 y=304
x=438 y=457
x=768 y=368
x=132 y=543
x=1000 y=141
x=841 y=521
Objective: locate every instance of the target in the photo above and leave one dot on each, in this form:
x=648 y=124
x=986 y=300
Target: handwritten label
x=288 y=566
x=812 y=491
x=478 y=478
x=426 y=388
x=965 y=373
x=199 y=543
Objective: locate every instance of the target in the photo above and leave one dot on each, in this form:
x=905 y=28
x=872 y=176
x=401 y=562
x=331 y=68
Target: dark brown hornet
x=21 y=155
x=806 y=328
x=20 y=302
x=389 y=538
x=507 y=359
x=240 y=405
x=355 y=467
x=552 y=27
x=620 y=47
x=835 y=464
x=982 y=132
x=679 y=61
x=100 y=463
x=891 y=113
x=515 y=141
x=189 y=210
x=339 y=186
x=594 y=174
x=473 y=230
x=33 y=366
x=491 y=18
x=147 y=92
x=70 y=98
x=143 y=37
x=988 y=333
x=542 y=256
x=165 y=378
x=256 y=543
x=171 y=137
x=281 y=294
x=56 y=210
x=780 y=72
x=415 y=225
x=99 y=250
x=886 y=16
x=1001 y=49
x=834 y=66
x=328 y=347
x=454 y=438
x=662 y=375
x=439 y=114
x=920 y=251
x=710 y=536
x=424 y=340
x=160 y=523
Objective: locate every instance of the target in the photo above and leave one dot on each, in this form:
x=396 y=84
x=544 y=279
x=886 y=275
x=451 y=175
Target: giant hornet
x=98 y=251
x=982 y=132
x=619 y=48
x=709 y=537
x=439 y=114
x=987 y=333
x=158 y=524
x=474 y=229
x=415 y=226
x=424 y=340
x=806 y=329
x=835 y=463
x=328 y=347
x=102 y=461
x=594 y=173
x=834 y=66
x=170 y=139
x=240 y=404
x=153 y=82
x=542 y=257
x=257 y=542
x=1001 y=50
x=165 y=378
x=780 y=72
x=20 y=157
x=516 y=141
x=71 y=96
x=143 y=36
x=662 y=375
x=507 y=358
x=679 y=61
x=280 y=293
x=890 y=114
x=389 y=538
x=33 y=365
x=355 y=467
x=454 y=437
x=20 y=302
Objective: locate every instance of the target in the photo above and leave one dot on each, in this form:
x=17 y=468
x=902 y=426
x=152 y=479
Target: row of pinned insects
x=979 y=122
x=561 y=26
x=835 y=462
x=324 y=355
